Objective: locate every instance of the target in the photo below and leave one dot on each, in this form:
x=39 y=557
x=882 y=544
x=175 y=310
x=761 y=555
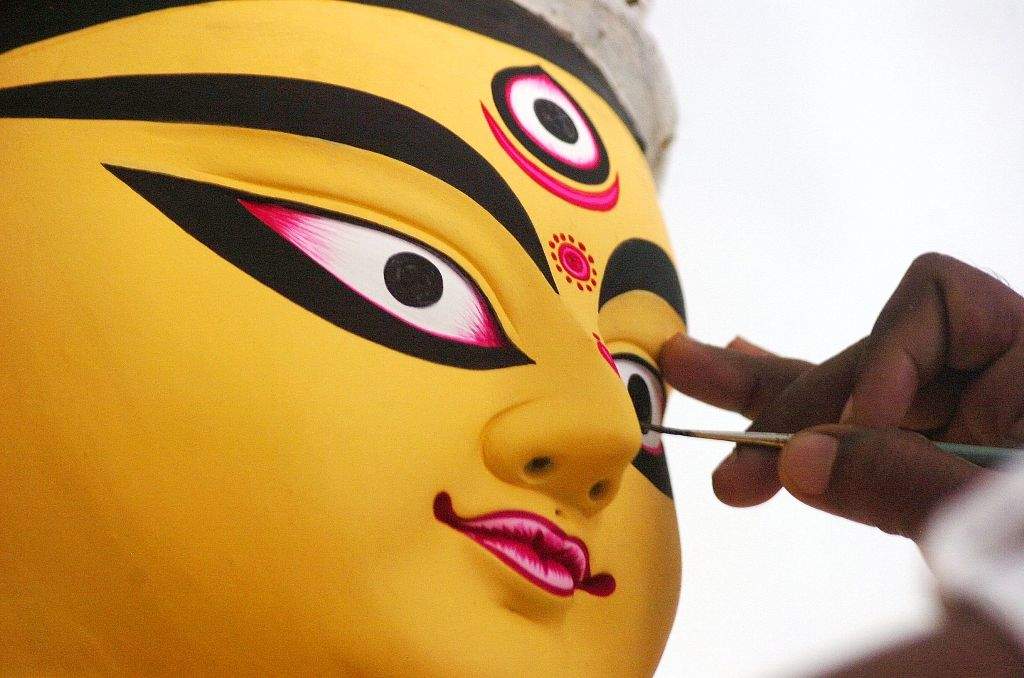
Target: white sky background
x=822 y=146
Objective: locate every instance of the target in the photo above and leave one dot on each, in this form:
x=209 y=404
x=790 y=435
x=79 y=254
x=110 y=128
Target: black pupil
x=413 y=280
x=641 y=397
x=556 y=120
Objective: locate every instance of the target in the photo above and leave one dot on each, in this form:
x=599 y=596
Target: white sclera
x=629 y=367
x=523 y=93
x=356 y=255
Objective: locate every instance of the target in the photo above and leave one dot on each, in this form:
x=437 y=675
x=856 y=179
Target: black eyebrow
x=303 y=107
x=641 y=265
x=28 y=21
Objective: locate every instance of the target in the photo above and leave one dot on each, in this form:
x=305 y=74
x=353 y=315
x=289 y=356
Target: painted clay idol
x=327 y=327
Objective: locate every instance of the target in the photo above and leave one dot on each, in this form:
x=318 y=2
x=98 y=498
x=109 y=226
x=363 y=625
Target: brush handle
x=980 y=454
x=976 y=454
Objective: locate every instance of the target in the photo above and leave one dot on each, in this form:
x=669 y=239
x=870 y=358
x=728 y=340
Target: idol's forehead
x=443 y=73
x=439 y=69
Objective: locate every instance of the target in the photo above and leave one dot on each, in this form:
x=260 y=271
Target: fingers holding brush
x=741 y=377
x=778 y=394
x=950 y=345
x=888 y=478
x=750 y=475
x=944 y=358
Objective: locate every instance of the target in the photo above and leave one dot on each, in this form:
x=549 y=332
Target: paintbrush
x=977 y=454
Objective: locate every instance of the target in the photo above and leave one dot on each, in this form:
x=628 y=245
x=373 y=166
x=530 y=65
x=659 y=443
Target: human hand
x=943 y=360
x=968 y=643
x=973 y=544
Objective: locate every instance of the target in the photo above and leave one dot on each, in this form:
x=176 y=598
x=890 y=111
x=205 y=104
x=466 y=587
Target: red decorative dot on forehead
x=572 y=261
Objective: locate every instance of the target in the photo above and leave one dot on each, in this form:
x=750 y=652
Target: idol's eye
x=550 y=124
x=647 y=393
x=398 y=275
x=361 y=277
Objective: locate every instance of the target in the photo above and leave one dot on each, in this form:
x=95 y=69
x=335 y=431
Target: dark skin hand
x=943 y=361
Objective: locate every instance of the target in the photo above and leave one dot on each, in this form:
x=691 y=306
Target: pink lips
x=531 y=545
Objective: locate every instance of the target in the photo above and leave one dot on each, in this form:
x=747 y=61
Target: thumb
x=888 y=478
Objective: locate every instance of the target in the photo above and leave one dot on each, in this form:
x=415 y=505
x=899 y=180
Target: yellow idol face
x=326 y=332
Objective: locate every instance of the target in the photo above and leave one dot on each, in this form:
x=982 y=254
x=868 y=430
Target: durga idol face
x=327 y=331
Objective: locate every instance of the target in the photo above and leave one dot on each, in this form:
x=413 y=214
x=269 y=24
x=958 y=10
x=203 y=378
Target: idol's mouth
x=531 y=545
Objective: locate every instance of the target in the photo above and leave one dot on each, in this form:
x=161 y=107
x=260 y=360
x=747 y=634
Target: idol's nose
x=572 y=443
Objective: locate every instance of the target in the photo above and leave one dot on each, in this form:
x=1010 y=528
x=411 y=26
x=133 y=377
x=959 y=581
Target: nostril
x=598 y=490
x=539 y=466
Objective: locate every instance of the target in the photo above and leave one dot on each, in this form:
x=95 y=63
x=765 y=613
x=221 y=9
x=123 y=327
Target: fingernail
x=807 y=462
x=728 y=461
x=680 y=347
x=847 y=411
x=678 y=339
x=740 y=344
x=684 y=338
x=670 y=347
